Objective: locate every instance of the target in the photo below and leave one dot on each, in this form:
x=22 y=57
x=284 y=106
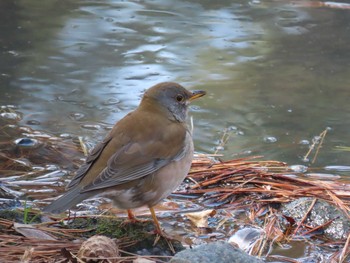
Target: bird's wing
x=94 y=154
x=119 y=169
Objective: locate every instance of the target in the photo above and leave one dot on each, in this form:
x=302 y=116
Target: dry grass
x=263 y=181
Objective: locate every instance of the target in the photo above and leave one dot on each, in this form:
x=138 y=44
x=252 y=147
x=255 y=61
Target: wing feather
x=94 y=154
x=113 y=175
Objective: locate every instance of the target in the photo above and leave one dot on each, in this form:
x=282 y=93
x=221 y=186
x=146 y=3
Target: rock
x=216 y=252
x=321 y=213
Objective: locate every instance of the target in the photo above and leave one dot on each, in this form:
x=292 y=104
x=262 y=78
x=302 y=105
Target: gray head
x=173 y=97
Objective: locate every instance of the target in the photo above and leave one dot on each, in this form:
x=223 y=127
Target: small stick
x=318 y=227
x=318 y=141
x=83 y=146
x=224 y=140
x=338 y=202
x=322 y=135
x=343 y=254
x=305 y=216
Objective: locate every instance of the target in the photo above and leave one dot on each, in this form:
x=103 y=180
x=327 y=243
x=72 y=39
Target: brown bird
x=144 y=157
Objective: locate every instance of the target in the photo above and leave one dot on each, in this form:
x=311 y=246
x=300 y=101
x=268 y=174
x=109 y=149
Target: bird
x=143 y=159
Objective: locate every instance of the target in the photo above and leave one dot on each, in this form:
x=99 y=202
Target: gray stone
x=216 y=252
x=321 y=213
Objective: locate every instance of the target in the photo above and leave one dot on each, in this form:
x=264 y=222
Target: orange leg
x=132 y=218
x=160 y=233
x=156 y=223
x=131 y=215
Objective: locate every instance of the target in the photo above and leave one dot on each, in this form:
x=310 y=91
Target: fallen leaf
x=200 y=219
x=32 y=232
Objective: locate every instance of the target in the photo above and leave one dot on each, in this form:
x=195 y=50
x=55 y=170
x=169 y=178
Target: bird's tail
x=66 y=201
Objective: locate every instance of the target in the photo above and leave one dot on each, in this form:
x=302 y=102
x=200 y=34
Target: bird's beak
x=197 y=94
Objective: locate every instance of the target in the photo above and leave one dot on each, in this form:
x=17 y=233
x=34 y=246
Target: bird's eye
x=179 y=98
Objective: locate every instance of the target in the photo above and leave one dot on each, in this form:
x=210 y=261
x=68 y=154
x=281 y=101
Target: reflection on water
x=276 y=72
x=273 y=70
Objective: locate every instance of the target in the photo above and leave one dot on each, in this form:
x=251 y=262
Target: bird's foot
x=132 y=219
x=166 y=238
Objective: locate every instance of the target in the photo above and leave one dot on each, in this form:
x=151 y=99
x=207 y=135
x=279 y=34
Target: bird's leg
x=160 y=233
x=132 y=219
x=155 y=221
x=131 y=215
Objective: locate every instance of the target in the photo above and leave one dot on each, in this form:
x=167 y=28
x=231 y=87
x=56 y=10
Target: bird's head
x=172 y=97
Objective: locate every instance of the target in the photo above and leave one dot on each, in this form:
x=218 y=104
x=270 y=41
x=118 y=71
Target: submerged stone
x=321 y=213
x=27 y=142
x=216 y=252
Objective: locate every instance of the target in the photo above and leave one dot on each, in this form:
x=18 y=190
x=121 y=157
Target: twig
x=318 y=141
x=322 y=135
x=344 y=254
x=223 y=140
x=305 y=216
x=318 y=227
x=83 y=146
x=339 y=203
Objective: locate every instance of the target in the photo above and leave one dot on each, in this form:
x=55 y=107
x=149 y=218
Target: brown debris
x=257 y=184
x=248 y=183
x=264 y=182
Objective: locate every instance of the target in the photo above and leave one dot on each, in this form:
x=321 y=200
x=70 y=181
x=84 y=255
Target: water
x=276 y=72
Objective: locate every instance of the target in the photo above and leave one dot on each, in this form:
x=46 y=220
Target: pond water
x=276 y=72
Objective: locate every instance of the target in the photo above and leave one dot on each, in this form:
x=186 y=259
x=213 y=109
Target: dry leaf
x=200 y=219
x=32 y=232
